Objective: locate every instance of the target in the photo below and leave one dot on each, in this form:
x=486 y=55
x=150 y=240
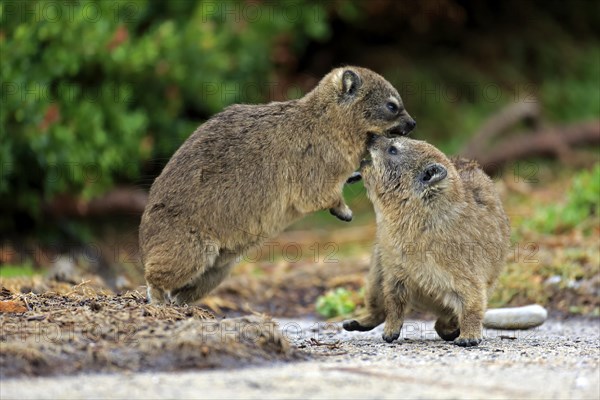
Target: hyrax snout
x=442 y=237
x=251 y=170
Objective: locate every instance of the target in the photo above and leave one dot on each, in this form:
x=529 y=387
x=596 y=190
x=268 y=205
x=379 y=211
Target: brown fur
x=251 y=170
x=442 y=237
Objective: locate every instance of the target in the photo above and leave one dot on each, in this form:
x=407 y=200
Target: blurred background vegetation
x=97 y=95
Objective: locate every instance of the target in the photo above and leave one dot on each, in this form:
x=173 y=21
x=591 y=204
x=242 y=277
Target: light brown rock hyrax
x=251 y=170
x=442 y=237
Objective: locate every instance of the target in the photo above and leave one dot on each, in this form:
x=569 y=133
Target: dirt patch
x=283 y=289
x=84 y=330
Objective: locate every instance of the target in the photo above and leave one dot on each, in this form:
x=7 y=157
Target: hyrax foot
x=449 y=336
x=157 y=296
x=391 y=332
x=470 y=323
x=353 y=325
x=447 y=330
x=344 y=213
x=364 y=323
x=391 y=336
x=355 y=177
x=205 y=282
x=467 y=342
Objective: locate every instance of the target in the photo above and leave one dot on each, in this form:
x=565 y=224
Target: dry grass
x=85 y=330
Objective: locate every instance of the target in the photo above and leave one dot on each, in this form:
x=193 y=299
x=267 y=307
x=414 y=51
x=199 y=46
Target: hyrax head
x=408 y=170
x=370 y=102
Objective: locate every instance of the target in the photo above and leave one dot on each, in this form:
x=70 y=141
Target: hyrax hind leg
x=157 y=295
x=171 y=266
x=374 y=313
x=470 y=318
x=204 y=283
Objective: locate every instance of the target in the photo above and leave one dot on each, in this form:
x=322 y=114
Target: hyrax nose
x=410 y=125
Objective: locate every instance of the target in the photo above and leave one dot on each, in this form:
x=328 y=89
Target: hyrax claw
x=467 y=342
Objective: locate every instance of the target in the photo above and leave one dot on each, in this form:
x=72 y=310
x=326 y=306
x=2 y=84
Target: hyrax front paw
x=355 y=177
x=342 y=212
x=353 y=325
x=390 y=337
x=467 y=342
x=391 y=333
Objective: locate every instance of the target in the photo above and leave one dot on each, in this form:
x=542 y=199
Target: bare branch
x=554 y=141
x=499 y=123
x=118 y=201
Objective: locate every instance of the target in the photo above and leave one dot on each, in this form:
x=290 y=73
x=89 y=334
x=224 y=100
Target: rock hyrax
x=442 y=237
x=251 y=170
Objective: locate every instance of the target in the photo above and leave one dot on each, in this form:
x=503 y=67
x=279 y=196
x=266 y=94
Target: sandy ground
x=558 y=360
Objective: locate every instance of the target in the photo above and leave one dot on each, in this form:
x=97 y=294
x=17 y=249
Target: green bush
x=97 y=93
x=338 y=302
x=94 y=90
x=582 y=205
x=9 y=271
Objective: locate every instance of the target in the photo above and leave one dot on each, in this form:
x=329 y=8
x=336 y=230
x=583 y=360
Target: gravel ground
x=558 y=360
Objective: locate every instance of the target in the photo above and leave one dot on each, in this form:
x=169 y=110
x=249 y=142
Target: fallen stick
x=117 y=201
x=499 y=123
x=551 y=141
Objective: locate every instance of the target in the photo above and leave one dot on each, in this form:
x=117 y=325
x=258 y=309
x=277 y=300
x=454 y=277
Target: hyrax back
x=442 y=237
x=251 y=170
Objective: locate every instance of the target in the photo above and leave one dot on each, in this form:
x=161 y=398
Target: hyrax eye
x=392 y=107
x=393 y=150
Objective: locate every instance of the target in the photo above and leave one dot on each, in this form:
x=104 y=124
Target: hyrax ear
x=432 y=174
x=350 y=82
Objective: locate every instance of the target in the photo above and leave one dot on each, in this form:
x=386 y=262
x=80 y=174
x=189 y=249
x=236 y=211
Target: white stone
x=526 y=317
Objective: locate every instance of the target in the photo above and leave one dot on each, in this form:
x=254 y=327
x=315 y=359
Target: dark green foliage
x=94 y=90
x=338 y=302
x=580 y=209
x=99 y=93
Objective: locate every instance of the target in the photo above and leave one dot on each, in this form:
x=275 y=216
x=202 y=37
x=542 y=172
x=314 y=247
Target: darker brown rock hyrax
x=251 y=170
x=442 y=237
